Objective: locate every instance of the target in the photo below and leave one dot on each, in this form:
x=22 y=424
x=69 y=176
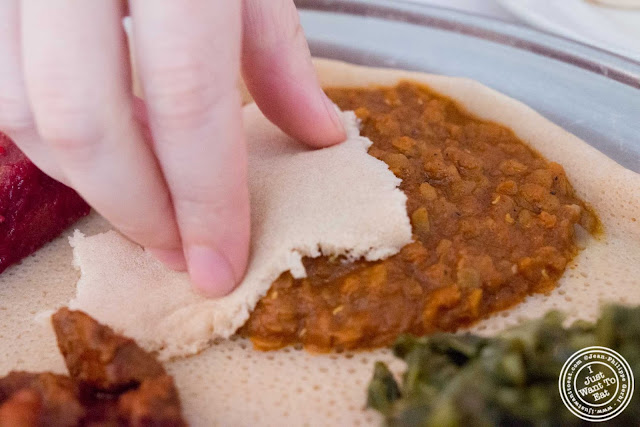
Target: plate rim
x=615 y=67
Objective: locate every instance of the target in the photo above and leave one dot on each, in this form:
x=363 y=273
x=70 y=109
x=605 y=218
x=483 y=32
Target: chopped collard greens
x=510 y=379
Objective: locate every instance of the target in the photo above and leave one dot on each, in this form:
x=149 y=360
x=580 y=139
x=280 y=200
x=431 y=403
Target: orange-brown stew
x=492 y=221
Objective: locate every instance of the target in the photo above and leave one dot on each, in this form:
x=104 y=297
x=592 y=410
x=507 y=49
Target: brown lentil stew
x=492 y=222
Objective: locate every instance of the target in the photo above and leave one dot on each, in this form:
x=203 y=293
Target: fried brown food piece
x=103 y=360
x=22 y=409
x=155 y=402
x=113 y=383
x=28 y=399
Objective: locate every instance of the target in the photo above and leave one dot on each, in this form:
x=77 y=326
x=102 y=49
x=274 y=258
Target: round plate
x=591 y=93
x=610 y=28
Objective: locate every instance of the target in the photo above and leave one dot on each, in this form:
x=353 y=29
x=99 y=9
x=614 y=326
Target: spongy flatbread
x=230 y=384
x=338 y=201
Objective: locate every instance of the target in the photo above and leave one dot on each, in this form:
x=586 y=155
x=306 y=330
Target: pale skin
x=169 y=173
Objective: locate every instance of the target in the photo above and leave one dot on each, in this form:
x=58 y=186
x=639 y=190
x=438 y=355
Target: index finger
x=279 y=74
x=188 y=56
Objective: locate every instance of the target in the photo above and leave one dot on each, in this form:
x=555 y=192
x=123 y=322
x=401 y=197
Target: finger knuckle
x=154 y=235
x=183 y=92
x=65 y=119
x=296 y=35
x=200 y=208
x=15 y=114
x=266 y=34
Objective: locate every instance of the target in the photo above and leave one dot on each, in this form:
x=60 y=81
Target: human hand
x=179 y=186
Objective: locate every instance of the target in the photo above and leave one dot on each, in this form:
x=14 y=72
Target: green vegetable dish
x=510 y=379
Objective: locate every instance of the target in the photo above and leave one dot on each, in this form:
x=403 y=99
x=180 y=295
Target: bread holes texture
x=242 y=386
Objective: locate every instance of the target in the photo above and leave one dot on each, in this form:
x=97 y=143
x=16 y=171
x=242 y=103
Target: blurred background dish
x=631 y=4
x=596 y=22
x=614 y=29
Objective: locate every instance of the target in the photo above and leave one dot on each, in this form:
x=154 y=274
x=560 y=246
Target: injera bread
x=232 y=385
x=338 y=201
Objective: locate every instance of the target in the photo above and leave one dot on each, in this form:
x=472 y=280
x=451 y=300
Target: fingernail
x=172 y=258
x=335 y=117
x=210 y=271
